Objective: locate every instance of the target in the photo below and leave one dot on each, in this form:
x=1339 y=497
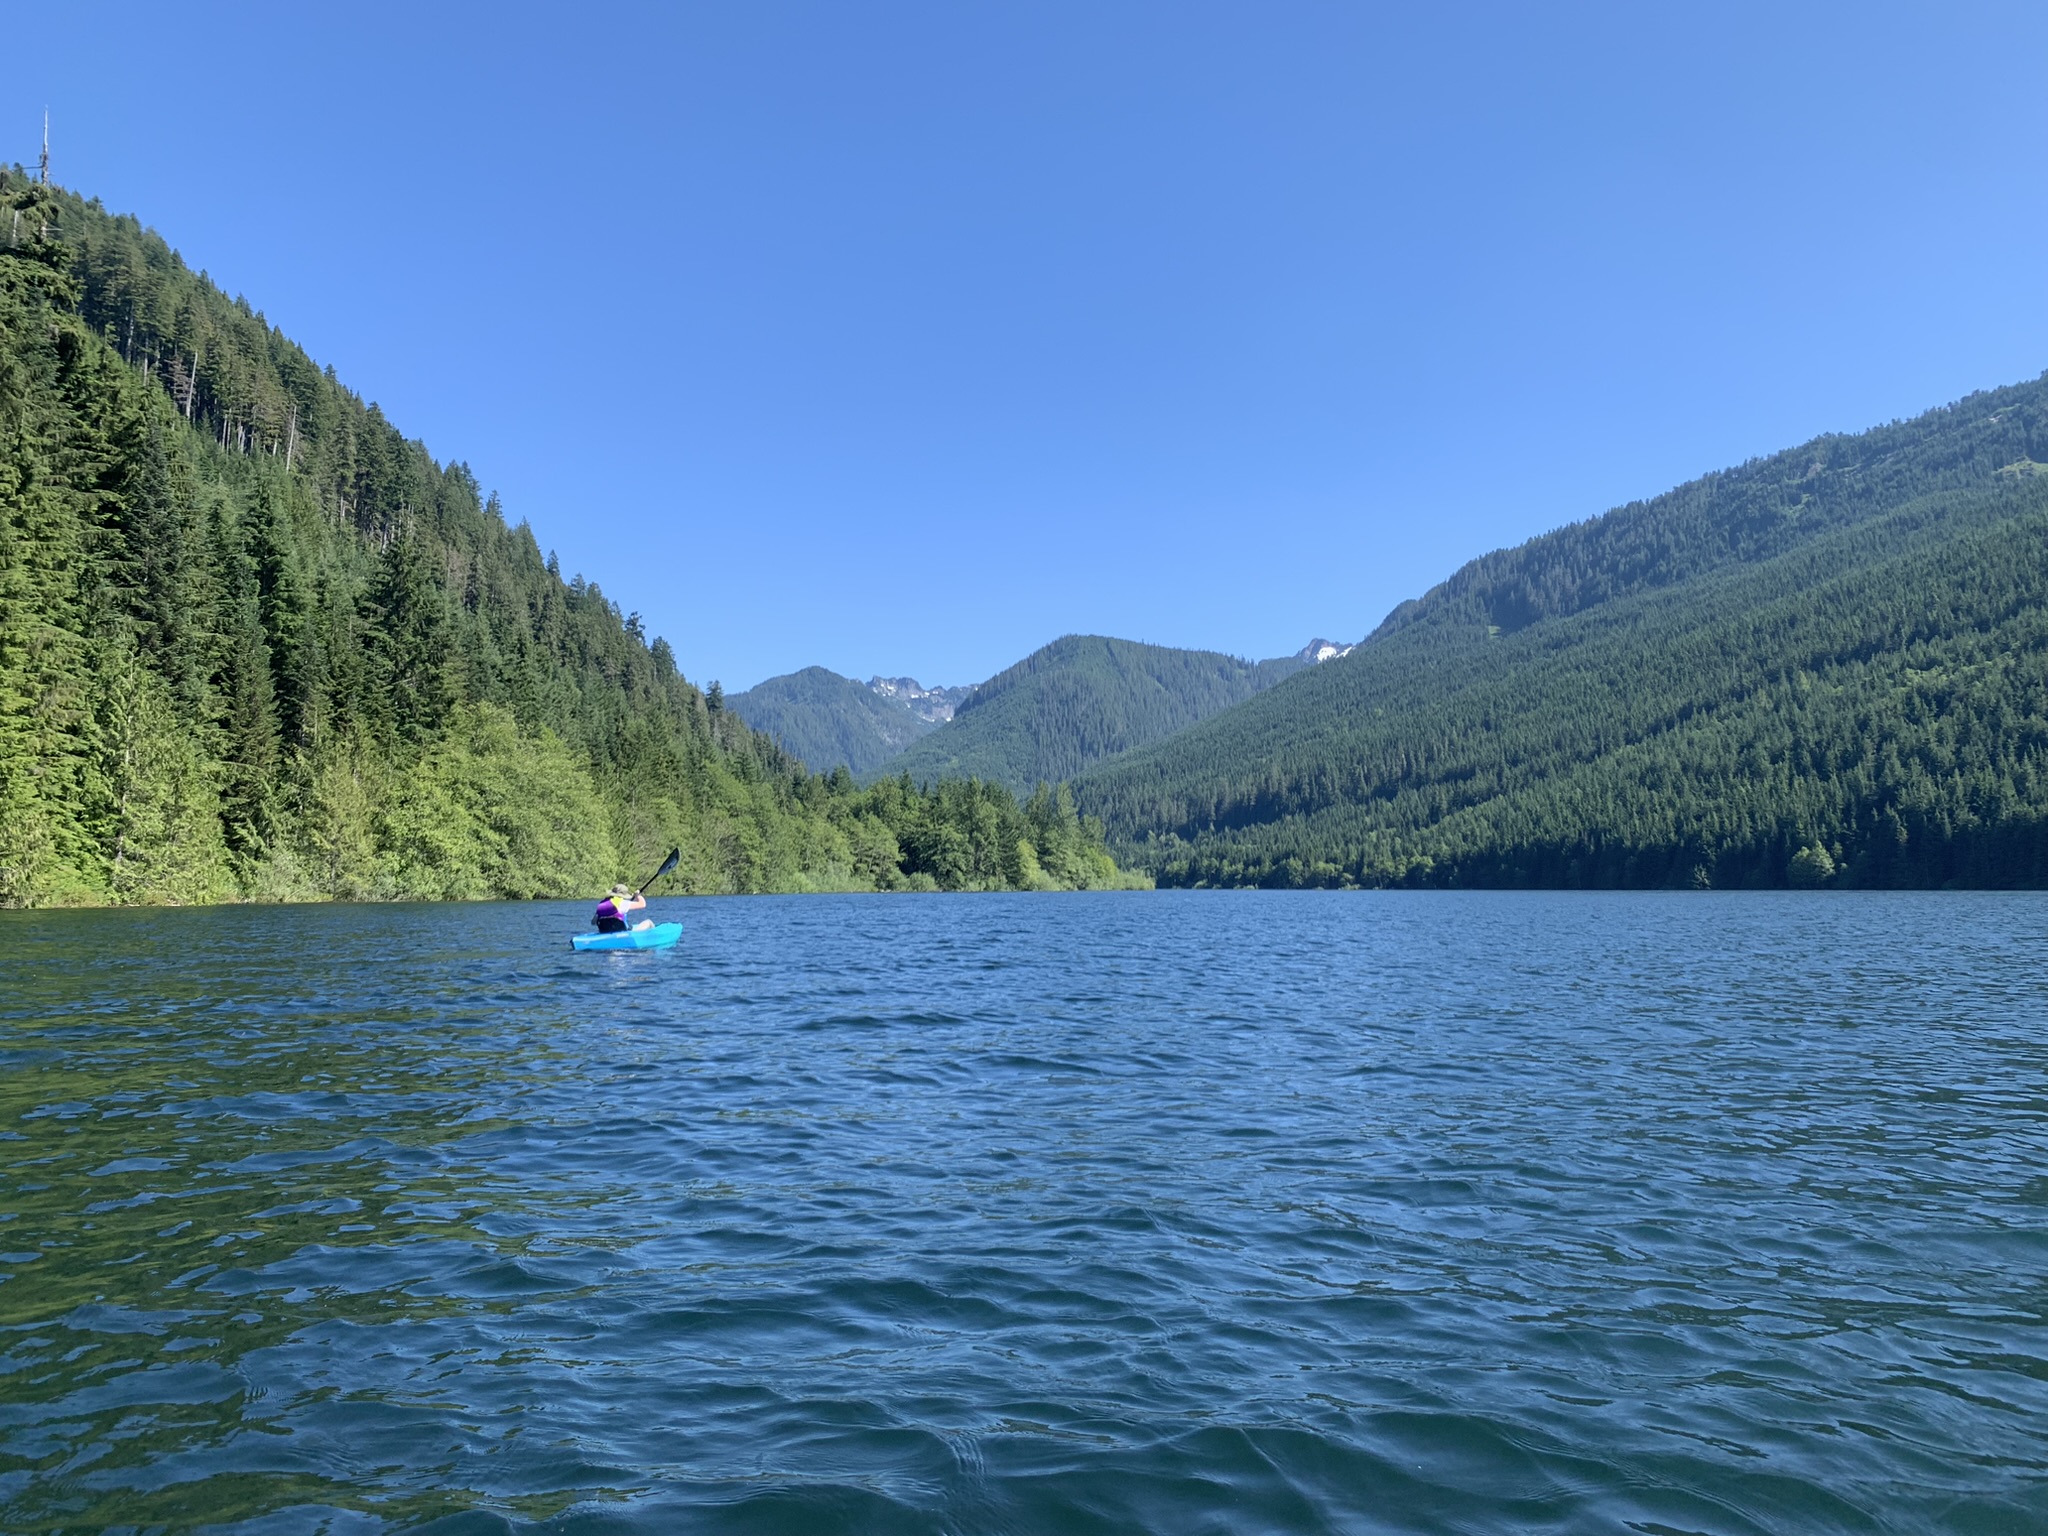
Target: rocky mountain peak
x=934 y=705
x=1320 y=649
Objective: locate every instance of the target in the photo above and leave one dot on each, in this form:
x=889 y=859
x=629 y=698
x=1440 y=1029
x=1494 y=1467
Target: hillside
x=1079 y=700
x=827 y=720
x=254 y=641
x=1830 y=665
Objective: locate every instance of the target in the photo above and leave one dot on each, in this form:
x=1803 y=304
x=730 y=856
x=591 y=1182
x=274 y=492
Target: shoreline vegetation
x=257 y=645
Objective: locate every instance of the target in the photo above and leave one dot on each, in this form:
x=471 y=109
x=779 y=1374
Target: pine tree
x=286 y=613
x=411 y=626
x=250 y=746
x=148 y=798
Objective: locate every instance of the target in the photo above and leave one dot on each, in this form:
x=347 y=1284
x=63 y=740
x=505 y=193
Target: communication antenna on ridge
x=44 y=176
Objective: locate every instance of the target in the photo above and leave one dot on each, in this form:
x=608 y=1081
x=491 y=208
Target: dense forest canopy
x=254 y=641
x=1079 y=700
x=1827 y=666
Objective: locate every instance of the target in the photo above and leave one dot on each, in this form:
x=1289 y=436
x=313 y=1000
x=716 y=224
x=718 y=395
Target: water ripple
x=1188 y=1212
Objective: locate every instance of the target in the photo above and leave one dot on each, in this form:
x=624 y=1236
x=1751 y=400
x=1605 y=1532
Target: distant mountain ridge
x=1080 y=700
x=1089 y=697
x=828 y=720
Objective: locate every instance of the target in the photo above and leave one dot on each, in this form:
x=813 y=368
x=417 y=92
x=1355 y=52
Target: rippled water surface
x=1168 y=1213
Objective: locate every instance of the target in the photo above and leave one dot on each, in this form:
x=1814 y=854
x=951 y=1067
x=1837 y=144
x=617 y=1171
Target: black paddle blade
x=674 y=858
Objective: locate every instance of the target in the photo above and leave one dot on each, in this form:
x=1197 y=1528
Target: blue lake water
x=1177 y=1213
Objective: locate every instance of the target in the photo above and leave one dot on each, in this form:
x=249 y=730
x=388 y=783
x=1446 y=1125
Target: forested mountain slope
x=1829 y=665
x=255 y=641
x=827 y=720
x=1079 y=700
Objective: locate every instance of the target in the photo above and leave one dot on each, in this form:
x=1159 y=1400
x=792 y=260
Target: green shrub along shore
x=256 y=644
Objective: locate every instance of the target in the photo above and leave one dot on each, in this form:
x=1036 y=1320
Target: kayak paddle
x=674 y=857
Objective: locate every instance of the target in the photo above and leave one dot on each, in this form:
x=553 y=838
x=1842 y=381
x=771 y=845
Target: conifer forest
x=257 y=644
x=1824 y=667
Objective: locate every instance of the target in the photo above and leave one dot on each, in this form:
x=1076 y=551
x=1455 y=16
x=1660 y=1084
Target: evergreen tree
x=165 y=599
x=148 y=801
x=410 y=625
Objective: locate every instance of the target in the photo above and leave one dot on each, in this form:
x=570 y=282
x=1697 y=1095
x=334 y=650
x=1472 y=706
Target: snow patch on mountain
x=932 y=705
x=1320 y=649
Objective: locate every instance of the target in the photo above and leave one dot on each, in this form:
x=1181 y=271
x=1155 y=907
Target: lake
x=1179 y=1212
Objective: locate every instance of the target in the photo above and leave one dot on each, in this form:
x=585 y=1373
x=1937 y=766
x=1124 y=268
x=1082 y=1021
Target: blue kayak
x=660 y=936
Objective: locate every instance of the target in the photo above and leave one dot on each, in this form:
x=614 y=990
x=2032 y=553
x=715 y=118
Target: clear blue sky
x=904 y=337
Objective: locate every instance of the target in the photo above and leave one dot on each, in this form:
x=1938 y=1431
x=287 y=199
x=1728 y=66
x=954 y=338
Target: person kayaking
x=611 y=912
